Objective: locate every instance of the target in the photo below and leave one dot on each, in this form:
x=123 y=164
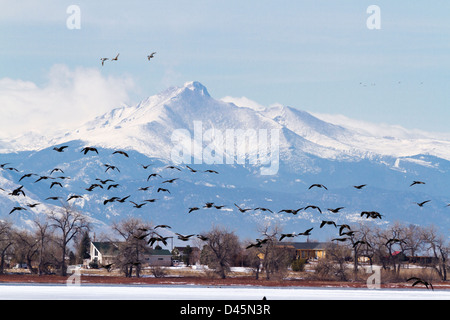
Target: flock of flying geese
x=344 y=230
x=342 y=227
x=103 y=184
x=103 y=60
x=107 y=184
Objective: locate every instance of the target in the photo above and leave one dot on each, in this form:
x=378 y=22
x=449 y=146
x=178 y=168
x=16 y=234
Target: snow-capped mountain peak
x=148 y=127
x=309 y=149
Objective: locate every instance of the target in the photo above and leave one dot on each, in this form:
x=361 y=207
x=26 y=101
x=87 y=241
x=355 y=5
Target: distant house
x=161 y=257
x=105 y=253
x=308 y=250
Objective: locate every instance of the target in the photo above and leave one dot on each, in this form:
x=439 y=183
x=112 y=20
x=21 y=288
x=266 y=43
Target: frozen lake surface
x=175 y=292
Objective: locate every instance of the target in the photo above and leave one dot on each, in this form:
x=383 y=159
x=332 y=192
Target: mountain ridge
x=310 y=151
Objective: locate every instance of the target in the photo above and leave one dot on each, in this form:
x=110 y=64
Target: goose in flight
x=173 y=167
x=288 y=235
x=193 y=209
x=108 y=166
x=43 y=178
x=313 y=207
x=10 y=169
x=115 y=58
x=208 y=205
x=18 y=191
x=103 y=60
x=104 y=181
x=192 y=170
x=121 y=152
x=162 y=190
x=211 y=171
x=17 y=209
x=371 y=214
x=138 y=206
x=163 y=226
x=258 y=244
x=122 y=200
x=53 y=198
x=327 y=222
x=306 y=233
x=74 y=197
x=170 y=180
x=418 y=280
x=336 y=210
x=153 y=175
x=150 y=56
x=242 y=210
x=202 y=237
x=56 y=184
x=113 y=186
x=154 y=239
x=394 y=240
x=85 y=150
x=291 y=211
x=93 y=186
x=359 y=186
x=60 y=149
x=342 y=227
x=28 y=175
x=110 y=200
x=57 y=170
x=184 y=238
x=416 y=182
x=318 y=186
x=340 y=239
x=420 y=204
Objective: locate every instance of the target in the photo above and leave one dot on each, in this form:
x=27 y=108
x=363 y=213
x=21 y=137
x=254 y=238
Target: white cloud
x=380 y=130
x=68 y=99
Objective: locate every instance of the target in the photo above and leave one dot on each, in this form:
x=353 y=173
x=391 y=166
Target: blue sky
x=317 y=56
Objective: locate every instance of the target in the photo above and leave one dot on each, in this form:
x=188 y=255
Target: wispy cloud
x=68 y=98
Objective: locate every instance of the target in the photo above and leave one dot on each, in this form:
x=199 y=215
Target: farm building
x=105 y=253
x=308 y=250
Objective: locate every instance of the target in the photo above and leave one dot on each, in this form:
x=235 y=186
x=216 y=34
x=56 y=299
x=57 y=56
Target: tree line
x=63 y=237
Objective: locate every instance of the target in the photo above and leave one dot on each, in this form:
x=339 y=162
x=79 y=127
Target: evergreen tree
x=84 y=247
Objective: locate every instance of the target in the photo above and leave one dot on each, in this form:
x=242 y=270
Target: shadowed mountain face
x=184 y=127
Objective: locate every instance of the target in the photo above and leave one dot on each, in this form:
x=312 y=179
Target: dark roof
x=308 y=245
x=107 y=248
x=162 y=252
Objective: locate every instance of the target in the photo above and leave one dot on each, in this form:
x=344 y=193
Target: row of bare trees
x=392 y=247
x=47 y=245
x=54 y=237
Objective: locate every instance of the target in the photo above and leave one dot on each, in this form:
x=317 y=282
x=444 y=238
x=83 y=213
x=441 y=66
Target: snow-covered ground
x=176 y=292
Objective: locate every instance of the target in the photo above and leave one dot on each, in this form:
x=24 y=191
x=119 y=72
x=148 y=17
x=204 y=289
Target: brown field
x=186 y=277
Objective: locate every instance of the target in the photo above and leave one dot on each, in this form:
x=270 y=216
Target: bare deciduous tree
x=133 y=232
x=275 y=258
x=439 y=248
x=6 y=242
x=220 y=250
x=42 y=235
x=68 y=222
x=26 y=248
